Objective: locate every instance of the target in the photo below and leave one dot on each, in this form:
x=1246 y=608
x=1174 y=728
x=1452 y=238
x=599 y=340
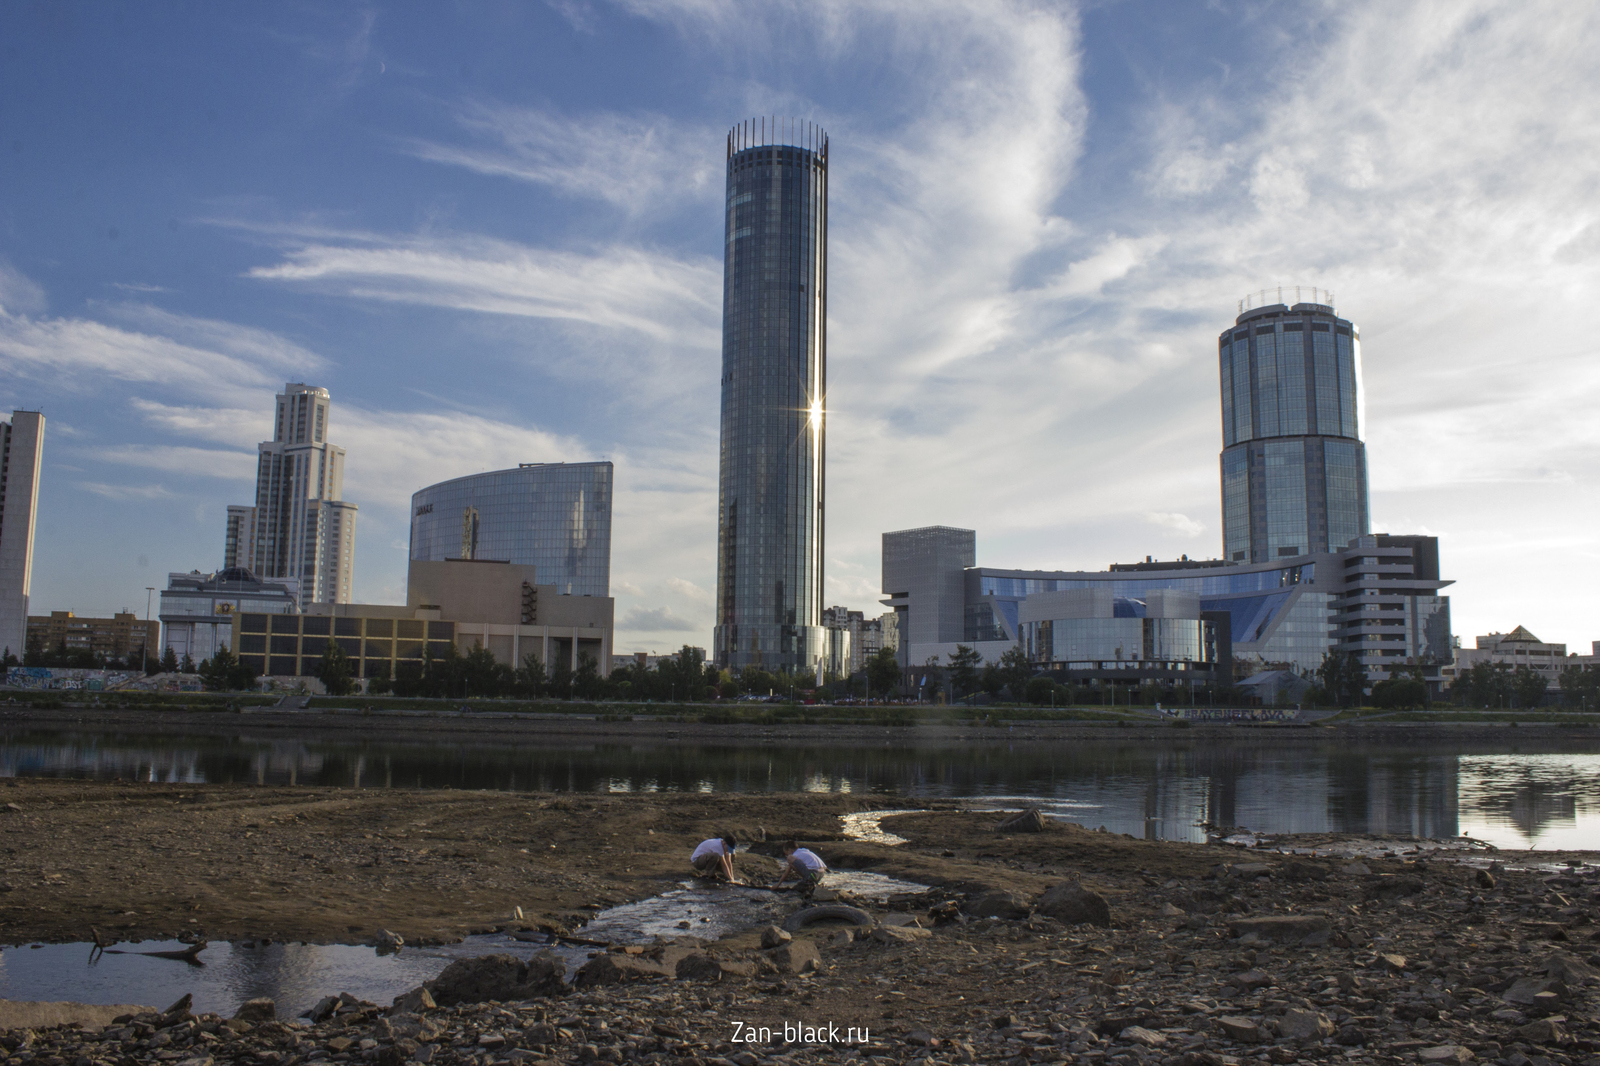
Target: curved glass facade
x=774 y=373
x=555 y=517
x=1099 y=640
x=1294 y=469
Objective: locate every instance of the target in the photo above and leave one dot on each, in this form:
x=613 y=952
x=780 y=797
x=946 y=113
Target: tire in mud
x=828 y=912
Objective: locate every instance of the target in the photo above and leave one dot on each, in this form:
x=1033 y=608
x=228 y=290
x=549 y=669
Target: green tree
x=1399 y=693
x=587 y=684
x=216 y=673
x=334 y=671
x=1528 y=686
x=1580 y=686
x=169 y=661
x=8 y=661
x=1485 y=684
x=187 y=666
x=484 y=675
x=883 y=671
x=1015 y=670
x=1041 y=690
x=561 y=679
x=241 y=677
x=33 y=651
x=964 y=669
x=1343 y=678
x=531 y=678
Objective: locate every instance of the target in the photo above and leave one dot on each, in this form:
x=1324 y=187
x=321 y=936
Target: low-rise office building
x=1377 y=599
x=197 y=610
x=453 y=602
x=123 y=636
x=1516 y=648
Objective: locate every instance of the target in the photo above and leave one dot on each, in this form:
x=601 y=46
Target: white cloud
x=19 y=293
x=1178 y=523
x=654 y=620
x=178 y=459
x=125 y=492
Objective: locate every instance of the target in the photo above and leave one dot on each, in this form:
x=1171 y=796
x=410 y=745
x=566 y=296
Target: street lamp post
x=149 y=591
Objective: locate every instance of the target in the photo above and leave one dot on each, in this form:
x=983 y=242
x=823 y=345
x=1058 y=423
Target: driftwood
x=188 y=954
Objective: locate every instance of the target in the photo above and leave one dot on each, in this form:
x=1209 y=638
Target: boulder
x=1484 y=879
x=1298 y=1024
x=1240 y=1029
x=1250 y=980
x=1544 y=1031
x=1571 y=971
x=772 y=936
x=1445 y=1053
x=34 y=1014
x=612 y=969
x=799 y=956
x=257 y=1010
x=497 y=977
x=413 y=1002
x=899 y=934
x=1073 y=904
x=1028 y=821
x=388 y=942
x=1308 y=929
x=1390 y=962
x=998 y=904
x=700 y=967
x=1138 y=1034
x=1527 y=990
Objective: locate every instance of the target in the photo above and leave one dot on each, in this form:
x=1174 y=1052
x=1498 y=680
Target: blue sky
x=493 y=231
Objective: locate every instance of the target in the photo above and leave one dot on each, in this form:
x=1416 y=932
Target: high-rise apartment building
x=300 y=527
x=21 y=445
x=554 y=517
x=1294 y=468
x=774 y=376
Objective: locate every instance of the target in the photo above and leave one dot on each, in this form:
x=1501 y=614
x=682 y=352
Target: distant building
x=866 y=637
x=1518 y=648
x=197 y=609
x=774 y=377
x=123 y=636
x=300 y=528
x=554 y=517
x=1377 y=599
x=1294 y=468
x=460 y=602
x=21 y=447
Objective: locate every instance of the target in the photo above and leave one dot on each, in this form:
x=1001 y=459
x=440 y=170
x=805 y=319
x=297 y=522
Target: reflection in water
x=1162 y=789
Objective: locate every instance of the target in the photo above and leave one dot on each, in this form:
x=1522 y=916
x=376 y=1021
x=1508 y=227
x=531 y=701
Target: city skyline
x=1043 y=217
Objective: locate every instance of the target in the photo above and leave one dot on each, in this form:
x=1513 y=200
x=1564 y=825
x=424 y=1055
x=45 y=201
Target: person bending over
x=805 y=866
x=713 y=857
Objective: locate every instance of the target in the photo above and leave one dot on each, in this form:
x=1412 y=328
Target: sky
x=494 y=232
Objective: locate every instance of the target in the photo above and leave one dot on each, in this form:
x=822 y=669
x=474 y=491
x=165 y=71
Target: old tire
x=827 y=912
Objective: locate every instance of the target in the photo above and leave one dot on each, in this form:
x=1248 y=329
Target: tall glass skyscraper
x=1294 y=469
x=774 y=376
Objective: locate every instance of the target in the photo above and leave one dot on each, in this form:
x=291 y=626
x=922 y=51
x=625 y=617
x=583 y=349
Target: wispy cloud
x=125 y=492
x=655 y=620
x=180 y=459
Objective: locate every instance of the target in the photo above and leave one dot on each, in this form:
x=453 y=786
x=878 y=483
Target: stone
x=498 y=977
x=700 y=967
x=1355 y=869
x=613 y=969
x=996 y=904
x=1250 y=980
x=772 y=936
x=1571 y=971
x=1445 y=1053
x=1169 y=911
x=1249 y=871
x=1138 y=1034
x=1390 y=962
x=1298 y=1024
x=1394 y=886
x=1028 y=821
x=824 y=894
x=898 y=919
x=1306 y=929
x=1527 y=990
x=1073 y=904
x=323 y=1010
x=388 y=942
x=1305 y=871
x=1240 y=1029
x=1004 y=1021
x=1484 y=879
x=257 y=1010
x=800 y=956
x=1544 y=1031
x=921 y=1038
x=413 y=1002
x=900 y=934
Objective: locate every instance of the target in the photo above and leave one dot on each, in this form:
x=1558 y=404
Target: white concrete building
x=197 y=609
x=1517 y=648
x=300 y=526
x=21 y=445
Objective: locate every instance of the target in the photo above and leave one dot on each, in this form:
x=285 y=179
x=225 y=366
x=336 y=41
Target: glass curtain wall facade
x=555 y=517
x=774 y=374
x=1294 y=468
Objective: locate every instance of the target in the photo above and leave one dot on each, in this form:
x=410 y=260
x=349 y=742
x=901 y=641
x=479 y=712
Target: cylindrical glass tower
x=774 y=374
x=1294 y=468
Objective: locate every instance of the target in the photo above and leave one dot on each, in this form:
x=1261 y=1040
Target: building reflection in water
x=1156 y=790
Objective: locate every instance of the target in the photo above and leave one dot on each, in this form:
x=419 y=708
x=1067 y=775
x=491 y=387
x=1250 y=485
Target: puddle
x=297 y=975
x=866 y=825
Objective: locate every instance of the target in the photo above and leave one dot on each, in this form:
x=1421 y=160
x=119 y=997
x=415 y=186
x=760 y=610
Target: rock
x=413 y=1002
x=257 y=1010
x=900 y=934
x=1250 y=980
x=1390 y=962
x=323 y=1010
x=1028 y=821
x=1544 y=1031
x=1169 y=911
x=1307 y=929
x=613 y=969
x=1298 y=1024
x=772 y=936
x=1573 y=972
x=921 y=1038
x=1355 y=869
x=800 y=956
x=1445 y=1053
x=47 y=1014
x=1484 y=879
x=1240 y=1029
x=701 y=967
x=1305 y=871
x=498 y=977
x=1005 y=1021
x=1350 y=1036
x=1138 y=1034
x=182 y=1006
x=1527 y=990
x=1073 y=904
x=1249 y=871
x=388 y=942
x=1006 y=905
x=824 y=894
x=1394 y=886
